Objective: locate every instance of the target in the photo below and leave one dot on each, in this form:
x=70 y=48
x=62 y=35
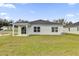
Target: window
x=54 y=29
x=69 y=29
x=77 y=28
x=36 y=29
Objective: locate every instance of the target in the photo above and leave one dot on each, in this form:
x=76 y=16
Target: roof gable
x=46 y=22
x=43 y=22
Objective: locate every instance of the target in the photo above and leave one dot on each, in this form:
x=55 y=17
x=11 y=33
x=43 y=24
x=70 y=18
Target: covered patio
x=20 y=29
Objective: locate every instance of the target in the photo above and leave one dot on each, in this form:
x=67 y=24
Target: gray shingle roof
x=76 y=24
x=38 y=22
x=73 y=25
x=43 y=22
x=22 y=22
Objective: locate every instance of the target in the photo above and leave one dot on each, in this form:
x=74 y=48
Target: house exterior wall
x=45 y=30
x=73 y=30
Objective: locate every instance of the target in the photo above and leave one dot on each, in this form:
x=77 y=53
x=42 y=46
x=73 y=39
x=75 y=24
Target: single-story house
x=72 y=28
x=37 y=27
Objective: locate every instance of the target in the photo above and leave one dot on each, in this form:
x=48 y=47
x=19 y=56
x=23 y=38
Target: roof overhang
x=20 y=24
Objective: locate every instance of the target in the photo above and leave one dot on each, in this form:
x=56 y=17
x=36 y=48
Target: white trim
x=19 y=30
x=13 y=30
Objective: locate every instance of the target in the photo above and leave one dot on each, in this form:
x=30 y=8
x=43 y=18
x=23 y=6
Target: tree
x=70 y=22
x=62 y=21
x=5 y=22
x=1 y=22
x=10 y=22
x=21 y=21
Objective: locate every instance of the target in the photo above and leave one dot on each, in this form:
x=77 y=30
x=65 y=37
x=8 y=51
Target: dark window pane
x=56 y=30
x=34 y=27
x=34 y=30
x=52 y=29
x=38 y=27
x=38 y=30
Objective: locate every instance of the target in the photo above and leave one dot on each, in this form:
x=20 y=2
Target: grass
x=63 y=45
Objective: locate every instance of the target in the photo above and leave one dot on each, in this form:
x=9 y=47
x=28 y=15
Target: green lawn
x=67 y=44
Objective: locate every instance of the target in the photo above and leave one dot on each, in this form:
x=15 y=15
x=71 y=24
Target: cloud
x=71 y=4
x=7 y=17
x=7 y=5
x=77 y=14
x=70 y=15
x=31 y=11
x=3 y=13
x=24 y=3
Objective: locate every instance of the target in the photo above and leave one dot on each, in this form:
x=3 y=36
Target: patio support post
x=19 y=30
x=27 y=30
x=13 y=30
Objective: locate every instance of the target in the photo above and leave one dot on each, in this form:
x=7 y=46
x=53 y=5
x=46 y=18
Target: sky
x=35 y=11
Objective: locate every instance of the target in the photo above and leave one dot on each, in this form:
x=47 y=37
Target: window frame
x=36 y=29
x=54 y=29
x=69 y=29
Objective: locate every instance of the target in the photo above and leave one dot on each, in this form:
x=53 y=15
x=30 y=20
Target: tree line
x=5 y=22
